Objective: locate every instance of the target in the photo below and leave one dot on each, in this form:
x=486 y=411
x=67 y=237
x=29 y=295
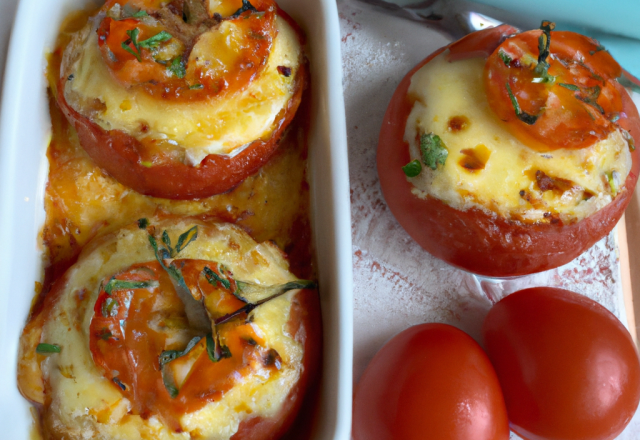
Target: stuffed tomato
x=182 y=99
x=510 y=153
x=172 y=329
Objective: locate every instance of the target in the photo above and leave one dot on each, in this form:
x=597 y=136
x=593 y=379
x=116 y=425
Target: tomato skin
x=568 y=367
x=121 y=155
x=430 y=381
x=474 y=240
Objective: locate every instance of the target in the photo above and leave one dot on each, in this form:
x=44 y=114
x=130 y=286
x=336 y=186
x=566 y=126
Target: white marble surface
x=396 y=283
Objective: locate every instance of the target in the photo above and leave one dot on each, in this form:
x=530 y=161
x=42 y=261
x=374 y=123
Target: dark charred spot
x=522 y=193
x=144 y=127
x=547 y=214
x=251 y=341
x=458 y=123
x=272 y=358
x=70 y=77
x=548 y=183
x=474 y=159
x=283 y=70
x=120 y=384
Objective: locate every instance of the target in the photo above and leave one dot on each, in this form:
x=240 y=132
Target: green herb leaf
x=168 y=356
x=544 y=41
x=246 y=6
x=626 y=82
x=105 y=334
x=167 y=241
x=48 y=348
x=196 y=87
x=613 y=178
x=215 y=350
x=589 y=95
x=597 y=49
x=213 y=278
x=140 y=14
x=523 y=116
x=506 y=59
x=110 y=308
x=433 y=150
x=143 y=223
x=413 y=168
x=114 y=284
x=186 y=238
x=125 y=46
x=569 y=86
x=154 y=42
x=133 y=39
x=177 y=68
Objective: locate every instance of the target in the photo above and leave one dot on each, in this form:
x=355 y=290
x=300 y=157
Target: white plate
x=24 y=136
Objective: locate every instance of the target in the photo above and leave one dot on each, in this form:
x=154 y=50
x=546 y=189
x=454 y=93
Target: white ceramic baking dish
x=24 y=135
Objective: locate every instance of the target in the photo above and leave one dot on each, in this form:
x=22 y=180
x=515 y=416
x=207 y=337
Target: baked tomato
x=183 y=99
x=479 y=240
x=259 y=349
x=568 y=367
x=430 y=381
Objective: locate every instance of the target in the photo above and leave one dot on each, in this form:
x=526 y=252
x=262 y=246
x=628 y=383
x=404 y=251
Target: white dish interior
x=24 y=136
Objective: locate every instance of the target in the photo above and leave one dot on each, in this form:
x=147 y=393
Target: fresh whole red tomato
x=568 y=367
x=431 y=381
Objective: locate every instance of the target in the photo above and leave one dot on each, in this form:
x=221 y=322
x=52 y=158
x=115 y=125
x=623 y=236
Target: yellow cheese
x=504 y=181
x=215 y=126
x=84 y=404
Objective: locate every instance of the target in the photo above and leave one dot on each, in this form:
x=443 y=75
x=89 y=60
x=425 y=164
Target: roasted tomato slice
x=182 y=53
x=139 y=332
x=554 y=89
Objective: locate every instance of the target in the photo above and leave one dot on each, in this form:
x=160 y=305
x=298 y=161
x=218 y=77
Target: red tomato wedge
x=430 y=381
x=568 y=368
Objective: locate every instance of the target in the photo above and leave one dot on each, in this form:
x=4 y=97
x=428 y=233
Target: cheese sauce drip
x=489 y=168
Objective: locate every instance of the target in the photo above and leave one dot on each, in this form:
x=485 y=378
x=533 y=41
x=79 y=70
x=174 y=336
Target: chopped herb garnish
x=433 y=150
x=146 y=164
x=246 y=6
x=613 y=178
x=196 y=87
x=154 y=42
x=133 y=39
x=48 y=348
x=167 y=241
x=614 y=117
x=626 y=82
x=119 y=383
x=213 y=278
x=597 y=49
x=544 y=42
x=104 y=334
x=413 y=168
x=216 y=350
x=523 y=116
x=110 y=308
x=168 y=356
x=590 y=96
x=569 y=86
x=140 y=14
x=506 y=59
x=186 y=238
x=177 y=68
x=114 y=284
x=627 y=136
x=143 y=223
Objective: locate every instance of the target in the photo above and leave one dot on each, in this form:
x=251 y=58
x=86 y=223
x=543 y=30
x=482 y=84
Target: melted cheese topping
x=102 y=413
x=214 y=126
x=489 y=168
